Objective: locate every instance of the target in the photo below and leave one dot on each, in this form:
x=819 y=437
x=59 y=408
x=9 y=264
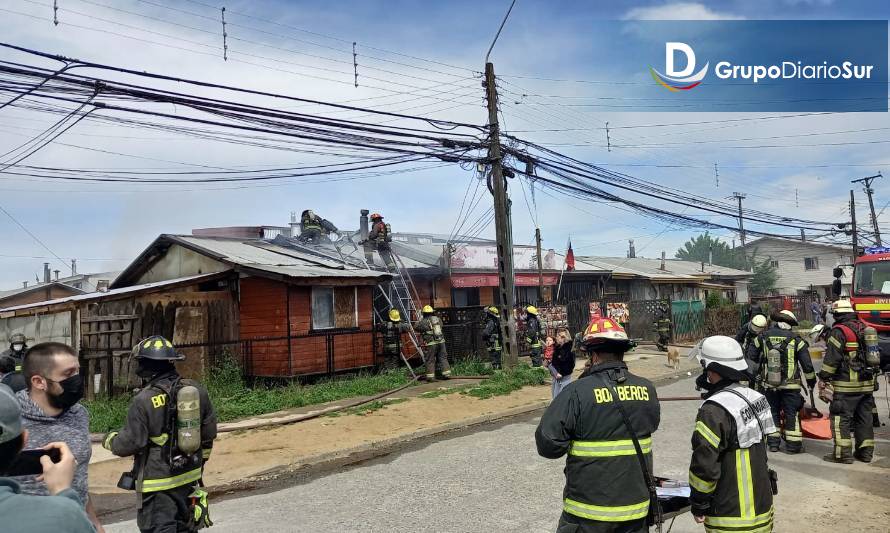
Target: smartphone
x=28 y=462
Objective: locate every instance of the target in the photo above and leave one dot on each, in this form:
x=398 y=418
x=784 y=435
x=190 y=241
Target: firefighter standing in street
x=169 y=429
x=533 y=334
x=728 y=474
x=392 y=339
x=491 y=332
x=606 y=490
x=779 y=357
x=750 y=331
x=663 y=326
x=848 y=372
x=430 y=328
x=381 y=235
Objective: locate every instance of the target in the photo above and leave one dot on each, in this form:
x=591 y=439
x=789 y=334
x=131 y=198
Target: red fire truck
x=870 y=293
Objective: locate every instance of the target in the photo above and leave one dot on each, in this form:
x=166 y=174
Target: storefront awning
x=460 y=281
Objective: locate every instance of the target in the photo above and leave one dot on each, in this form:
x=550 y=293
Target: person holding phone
x=51 y=411
x=62 y=510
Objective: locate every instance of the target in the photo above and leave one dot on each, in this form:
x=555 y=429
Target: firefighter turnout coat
x=842 y=365
x=728 y=473
x=147 y=435
x=795 y=357
x=604 y=480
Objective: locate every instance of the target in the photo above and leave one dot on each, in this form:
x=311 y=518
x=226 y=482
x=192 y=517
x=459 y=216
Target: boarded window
x=811 y=263
x=334 y=307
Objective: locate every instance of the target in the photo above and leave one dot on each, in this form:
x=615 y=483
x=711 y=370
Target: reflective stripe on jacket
x=428 y=327
x=603 y=477
x=795 y=358
x=840 y=358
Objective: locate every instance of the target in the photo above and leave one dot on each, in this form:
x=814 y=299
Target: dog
x=673 y=358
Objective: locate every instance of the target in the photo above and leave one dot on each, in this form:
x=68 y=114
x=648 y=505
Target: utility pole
x=739 y=196
x=540 y=266
x=506 y=280
x=871 y=204
x=855 y=232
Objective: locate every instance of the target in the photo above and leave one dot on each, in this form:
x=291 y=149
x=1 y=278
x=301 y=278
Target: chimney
x=46 y=276
x=710 y=255
x=631 y=252
x=24 y=284
x=74 y=267
x=294 y=224
x=663 y=266
x=702 y=266
x=364 y=230
x=56 y=272
x=803 y=236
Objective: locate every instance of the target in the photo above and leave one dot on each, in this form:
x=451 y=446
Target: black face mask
x=72 y=392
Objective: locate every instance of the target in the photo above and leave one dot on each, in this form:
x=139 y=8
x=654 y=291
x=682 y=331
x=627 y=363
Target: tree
x=765 y=277
x=699 y=248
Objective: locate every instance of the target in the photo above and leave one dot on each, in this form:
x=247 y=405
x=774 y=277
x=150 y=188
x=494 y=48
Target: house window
x=334 y=307
x=465 y=297
x=811 y=263
x=774 y=264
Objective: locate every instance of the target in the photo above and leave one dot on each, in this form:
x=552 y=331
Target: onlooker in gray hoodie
x=51 y=413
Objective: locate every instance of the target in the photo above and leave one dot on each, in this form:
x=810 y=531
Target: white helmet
x=758 y=324
x=722 y=350
x=842 y=306
x=817 y=330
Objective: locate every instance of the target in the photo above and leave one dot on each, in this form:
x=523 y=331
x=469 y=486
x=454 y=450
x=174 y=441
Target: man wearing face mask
x=51 y=413
x=169 y=452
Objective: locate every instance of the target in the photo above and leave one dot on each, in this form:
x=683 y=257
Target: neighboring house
x=36 y=293
x=802 y=266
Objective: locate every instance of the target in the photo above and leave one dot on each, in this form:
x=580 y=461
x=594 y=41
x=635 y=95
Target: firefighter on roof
x=313 y=228
x=381 y=236
x=169 y=429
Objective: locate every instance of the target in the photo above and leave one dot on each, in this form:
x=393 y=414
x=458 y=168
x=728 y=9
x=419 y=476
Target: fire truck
x=870 y=294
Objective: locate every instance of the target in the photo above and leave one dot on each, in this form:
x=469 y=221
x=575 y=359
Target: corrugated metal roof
x=113 y=292
x=269 y=257
x=38 y=286
x=651 y=268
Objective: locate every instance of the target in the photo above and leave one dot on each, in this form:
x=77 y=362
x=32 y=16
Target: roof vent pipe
x=663 y=266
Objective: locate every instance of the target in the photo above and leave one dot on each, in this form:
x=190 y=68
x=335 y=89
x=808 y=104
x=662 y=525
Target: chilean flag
x=570 y=257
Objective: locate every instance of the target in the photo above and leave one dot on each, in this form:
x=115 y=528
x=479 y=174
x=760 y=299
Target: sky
x=555 y=72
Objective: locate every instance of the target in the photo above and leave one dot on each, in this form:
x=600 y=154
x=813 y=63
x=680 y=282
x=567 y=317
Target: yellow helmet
x=427 y=310
x=532 y=310
x=493 y=310
x=394 y=315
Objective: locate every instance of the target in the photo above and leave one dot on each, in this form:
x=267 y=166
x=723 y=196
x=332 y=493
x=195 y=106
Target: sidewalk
x=246 y=457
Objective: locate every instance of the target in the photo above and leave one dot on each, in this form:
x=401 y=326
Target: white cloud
x=678 y=11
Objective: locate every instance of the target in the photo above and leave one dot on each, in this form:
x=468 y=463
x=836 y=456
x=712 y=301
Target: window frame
x=314 y=327
x=810 y=263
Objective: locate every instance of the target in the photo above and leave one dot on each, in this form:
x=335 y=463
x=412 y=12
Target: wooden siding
x=179 y=262
x=792 y=274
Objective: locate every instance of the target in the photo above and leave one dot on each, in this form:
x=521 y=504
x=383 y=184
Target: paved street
x=494 y=481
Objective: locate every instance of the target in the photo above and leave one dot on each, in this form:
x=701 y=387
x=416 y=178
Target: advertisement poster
x=619 y=313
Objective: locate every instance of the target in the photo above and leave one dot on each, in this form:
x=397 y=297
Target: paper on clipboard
x=670 y=492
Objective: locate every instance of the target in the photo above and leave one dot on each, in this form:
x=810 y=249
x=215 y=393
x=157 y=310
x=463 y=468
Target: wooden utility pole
x=739 y=196
x=506 y=281
x=540 y=266
x=871 y=204
x=855 y=232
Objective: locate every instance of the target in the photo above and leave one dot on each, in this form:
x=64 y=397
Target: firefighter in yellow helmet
x=606 y=489
x=392 y=339
x=781 y=361
x=493 y=336
x=168 y=462
x=533 y=334
x=430 y=329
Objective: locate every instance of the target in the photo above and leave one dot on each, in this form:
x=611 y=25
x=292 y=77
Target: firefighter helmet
x=376 y=216
x=721 y=350
x=17 y=338
x=492 y=310
x=784 y=317
x=394 y=315
x=427 y=310
x=604 y=330
x=840 y=307
x=532 y=310
x=758 y=324
x=157 y=348
x=817 y=332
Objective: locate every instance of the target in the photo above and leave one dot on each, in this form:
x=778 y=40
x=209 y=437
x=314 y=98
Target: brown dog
x=673 y=357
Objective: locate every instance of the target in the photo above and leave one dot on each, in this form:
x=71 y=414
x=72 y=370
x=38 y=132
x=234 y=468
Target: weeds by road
x=368 y=408
x=507 y=381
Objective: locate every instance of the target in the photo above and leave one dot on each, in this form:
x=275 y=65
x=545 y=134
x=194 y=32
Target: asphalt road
x=492 y=480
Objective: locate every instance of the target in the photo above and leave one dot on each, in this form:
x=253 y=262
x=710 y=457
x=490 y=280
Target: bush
x=507 y=381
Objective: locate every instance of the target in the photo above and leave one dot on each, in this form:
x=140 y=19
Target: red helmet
x=376 y=216
x=604 y=330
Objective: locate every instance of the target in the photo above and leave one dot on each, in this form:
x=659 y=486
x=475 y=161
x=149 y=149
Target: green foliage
x=504 y=382
x=699 y=248
x=764 y=279
x=107 y=414
x=470 y=367
x=715 y=301
x=370 y=407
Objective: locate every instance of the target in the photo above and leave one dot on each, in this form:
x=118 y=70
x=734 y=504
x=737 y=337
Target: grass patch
x=471 y=367
x=368 y=408
x=233 y=399
x=507 y=381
